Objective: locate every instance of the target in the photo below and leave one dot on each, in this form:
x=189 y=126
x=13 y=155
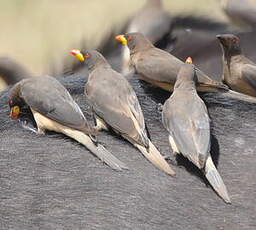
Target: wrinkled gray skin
x=50 y=182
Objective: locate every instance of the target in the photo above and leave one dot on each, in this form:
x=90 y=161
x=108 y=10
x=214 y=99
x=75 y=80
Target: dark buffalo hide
x=52 y=182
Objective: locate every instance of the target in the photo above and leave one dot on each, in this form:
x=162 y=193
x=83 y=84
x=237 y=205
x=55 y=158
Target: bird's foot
x=31 y=128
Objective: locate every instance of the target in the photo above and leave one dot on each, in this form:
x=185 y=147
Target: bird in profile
x=239 y=73
x=159 y=67
x=116 y=106
x=54 y=109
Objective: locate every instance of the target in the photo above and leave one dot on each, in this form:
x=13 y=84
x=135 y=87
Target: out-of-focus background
x=38 y=33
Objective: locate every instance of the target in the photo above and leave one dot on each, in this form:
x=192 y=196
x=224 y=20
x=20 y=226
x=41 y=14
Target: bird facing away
x=116 y=105
x=239 y=73
x=152 y=21
x=240 y=12
x=186 y=119
x=54 y=109
x=159 y=67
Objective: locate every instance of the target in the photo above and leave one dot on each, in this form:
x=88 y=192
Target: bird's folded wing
x=48 y=97
x=191 y=131
x=249 y=74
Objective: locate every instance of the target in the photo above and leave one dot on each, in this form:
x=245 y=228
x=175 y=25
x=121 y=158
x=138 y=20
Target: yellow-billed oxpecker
x=186 y=118
x=116 y=105
x=159 y=67
x=54 y=109
x=239 y=73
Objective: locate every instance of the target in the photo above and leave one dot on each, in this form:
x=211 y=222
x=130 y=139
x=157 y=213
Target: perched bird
x=159 y=67
x=153 y=22
x=186 y=118
x=240 y=12
x=116 y=105
x=239 y=73
x=54 y=109
x=11 y=72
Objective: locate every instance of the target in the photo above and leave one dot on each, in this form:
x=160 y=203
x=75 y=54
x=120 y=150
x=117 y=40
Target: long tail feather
x=155 y=157
x=215 y=180
x=99 y=151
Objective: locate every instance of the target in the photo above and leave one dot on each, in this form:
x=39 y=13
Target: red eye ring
x=87 y=55
x=129 y=38
x=234 y=40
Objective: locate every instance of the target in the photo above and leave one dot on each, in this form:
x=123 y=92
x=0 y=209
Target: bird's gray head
x=135 y=41
x=230 y=44
x=91 y=58
x=186 y=78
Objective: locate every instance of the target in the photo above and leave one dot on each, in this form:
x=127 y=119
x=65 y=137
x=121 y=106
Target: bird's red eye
x=129 y=38
x=234 y=40
x=87 y=55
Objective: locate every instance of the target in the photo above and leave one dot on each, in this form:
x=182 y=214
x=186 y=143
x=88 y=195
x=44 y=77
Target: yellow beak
x=121 y=39
x=78 y=55
x=15 y=111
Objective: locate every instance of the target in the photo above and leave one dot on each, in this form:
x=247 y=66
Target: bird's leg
x=28 y=127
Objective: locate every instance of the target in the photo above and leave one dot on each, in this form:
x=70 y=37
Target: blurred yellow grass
x=38 y=33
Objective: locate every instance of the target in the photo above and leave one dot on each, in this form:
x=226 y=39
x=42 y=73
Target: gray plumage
x=160 y=67
x=54 y=109
x=114 y=101
x=186 y=118
x=239 y=73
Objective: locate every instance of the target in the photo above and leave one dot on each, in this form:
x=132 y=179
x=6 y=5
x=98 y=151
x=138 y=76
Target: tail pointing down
x=215 y=180
x=155 y=157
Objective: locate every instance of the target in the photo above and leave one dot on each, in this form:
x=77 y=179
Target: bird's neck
x=229 y=60
x=184 y=85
